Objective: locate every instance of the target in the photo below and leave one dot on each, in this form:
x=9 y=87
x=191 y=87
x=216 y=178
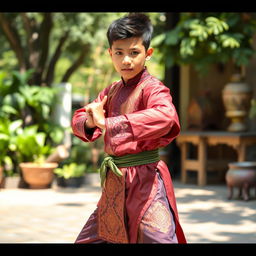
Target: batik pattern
x=111 y=210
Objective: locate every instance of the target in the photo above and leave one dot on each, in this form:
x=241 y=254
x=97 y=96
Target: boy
x=137 y=204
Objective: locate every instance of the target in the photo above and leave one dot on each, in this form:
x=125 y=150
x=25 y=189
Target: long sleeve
x=158 y=120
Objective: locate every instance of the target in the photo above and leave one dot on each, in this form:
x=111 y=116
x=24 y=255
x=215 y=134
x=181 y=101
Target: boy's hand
x=89 y=122
x=96 y=110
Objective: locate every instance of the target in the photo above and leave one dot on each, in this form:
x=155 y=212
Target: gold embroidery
x=118 y=128
x=131 y=103
x=111 y=225
x=157 y=218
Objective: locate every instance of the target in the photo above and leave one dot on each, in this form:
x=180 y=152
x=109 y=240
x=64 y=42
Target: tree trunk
x=13 y=38
x=77 y=63
x=44 y=35
x=51 y=68
x=31 y=33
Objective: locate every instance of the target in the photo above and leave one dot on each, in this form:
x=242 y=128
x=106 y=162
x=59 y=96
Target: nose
x=126 y=60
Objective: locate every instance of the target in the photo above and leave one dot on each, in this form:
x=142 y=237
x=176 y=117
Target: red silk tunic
x=140 y=116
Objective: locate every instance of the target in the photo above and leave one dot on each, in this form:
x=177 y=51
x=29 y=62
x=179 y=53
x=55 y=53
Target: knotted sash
x=113 y=162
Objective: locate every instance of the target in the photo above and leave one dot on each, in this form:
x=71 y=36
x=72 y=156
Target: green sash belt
x=113 y=162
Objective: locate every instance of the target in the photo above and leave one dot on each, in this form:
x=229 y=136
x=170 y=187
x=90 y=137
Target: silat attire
x=140 y=206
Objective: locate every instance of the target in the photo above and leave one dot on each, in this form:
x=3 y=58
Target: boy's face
x=129 y=56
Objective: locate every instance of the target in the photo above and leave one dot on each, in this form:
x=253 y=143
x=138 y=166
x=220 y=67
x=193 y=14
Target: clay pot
x=243 y=176
x=236 y=97
x=38 y=175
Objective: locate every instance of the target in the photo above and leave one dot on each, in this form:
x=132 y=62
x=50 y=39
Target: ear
x=149 y=52
x=110 y=52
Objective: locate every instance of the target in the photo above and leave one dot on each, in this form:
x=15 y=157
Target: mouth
x=127 y=69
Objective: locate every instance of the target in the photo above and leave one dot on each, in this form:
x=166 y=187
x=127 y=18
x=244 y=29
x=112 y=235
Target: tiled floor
x=57 y=215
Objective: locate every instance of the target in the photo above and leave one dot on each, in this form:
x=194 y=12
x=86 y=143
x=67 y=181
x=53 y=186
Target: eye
x=134 y=53
x=118 y=53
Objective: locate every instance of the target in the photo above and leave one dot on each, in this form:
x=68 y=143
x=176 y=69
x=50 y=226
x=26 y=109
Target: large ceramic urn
x=236 y=97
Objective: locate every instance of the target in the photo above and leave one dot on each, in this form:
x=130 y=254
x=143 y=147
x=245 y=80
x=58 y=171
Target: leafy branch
x=205 y=38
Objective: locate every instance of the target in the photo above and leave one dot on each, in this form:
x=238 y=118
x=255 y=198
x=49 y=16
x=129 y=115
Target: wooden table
x=239 y=141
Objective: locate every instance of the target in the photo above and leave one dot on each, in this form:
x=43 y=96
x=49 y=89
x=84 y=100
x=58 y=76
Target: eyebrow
x=134 y=48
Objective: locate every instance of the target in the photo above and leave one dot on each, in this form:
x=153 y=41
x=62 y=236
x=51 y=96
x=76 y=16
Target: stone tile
x=58 y=215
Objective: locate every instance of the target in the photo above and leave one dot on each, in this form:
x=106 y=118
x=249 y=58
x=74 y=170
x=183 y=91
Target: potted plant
x=70 y=175
x=7 y=134
x=32 y=151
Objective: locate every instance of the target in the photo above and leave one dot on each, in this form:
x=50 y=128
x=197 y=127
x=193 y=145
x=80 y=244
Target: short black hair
x=132 y=25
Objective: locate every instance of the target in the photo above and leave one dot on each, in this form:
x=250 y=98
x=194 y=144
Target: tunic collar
x=138 y=78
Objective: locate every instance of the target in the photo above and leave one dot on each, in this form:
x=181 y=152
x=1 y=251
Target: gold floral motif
x=157 y=218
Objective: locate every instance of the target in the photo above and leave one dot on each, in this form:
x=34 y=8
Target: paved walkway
x=57 y=215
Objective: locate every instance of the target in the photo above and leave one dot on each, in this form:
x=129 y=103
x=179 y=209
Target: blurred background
x=53 y=63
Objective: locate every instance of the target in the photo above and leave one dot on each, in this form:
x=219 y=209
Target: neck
x=130 y=80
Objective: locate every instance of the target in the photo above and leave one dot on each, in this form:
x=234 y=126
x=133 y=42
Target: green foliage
x=30 y=145
x=70 y=170
x=81 y=29
x=205 y=38
x=31 y=104
x=97 y=71
x=49 y=40
x=7 y=130
x=27 y=132
x=7 y=144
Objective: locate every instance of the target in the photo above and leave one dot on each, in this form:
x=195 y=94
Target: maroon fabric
x=140 y=116
x=89 y=233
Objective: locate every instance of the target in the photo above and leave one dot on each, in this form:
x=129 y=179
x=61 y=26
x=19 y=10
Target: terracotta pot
x=38 y=175
x=241 y=175
x=236 y=97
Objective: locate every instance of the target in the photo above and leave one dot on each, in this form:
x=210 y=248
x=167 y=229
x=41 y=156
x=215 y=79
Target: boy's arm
x=158 y=120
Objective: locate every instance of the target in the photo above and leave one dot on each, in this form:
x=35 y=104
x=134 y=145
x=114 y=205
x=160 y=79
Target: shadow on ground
x=208 y=216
